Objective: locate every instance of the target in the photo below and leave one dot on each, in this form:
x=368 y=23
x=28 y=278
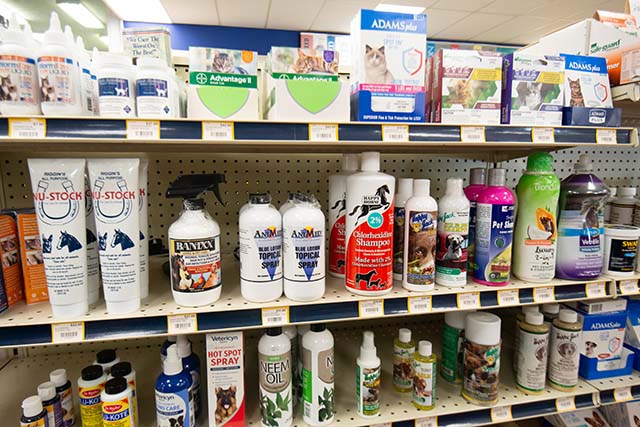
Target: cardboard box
x=582 y=418
x=286 y=62
x=336 y=42
x=154 y=42
x=225 y=379
x=632 y=7
x=623 y=21
x=632 y=331
x=35 y=280
x=586 y=82
x=622 y=414
x=586 y=116
x=602 y=335
x=603 y=305
x=10 y=256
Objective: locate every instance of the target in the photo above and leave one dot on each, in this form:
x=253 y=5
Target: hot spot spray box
x=388 y=66
x=225 y=379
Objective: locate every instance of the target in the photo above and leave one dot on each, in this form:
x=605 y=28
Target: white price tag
x=622 y=394
x=27 y=128
x=596 y=290
x=371 y=308
x=564 y=404
x=395 y=133
x=217 y=131
x=381 y=425
x=606 y=136
x=502 y=413
x=544 y=294
x=468 y=300
x=426 y=422
x=472 y=134
x=62 y=333
x=417 y=305
x=323 y=132
x=542 y=135
x=182 y=324
x=508 y=297
x=628 y=287
x=143 y=129
x=275 y=316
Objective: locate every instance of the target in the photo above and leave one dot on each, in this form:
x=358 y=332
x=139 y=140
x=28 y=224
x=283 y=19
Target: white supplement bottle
x=337 y=213
x=126 y=371
x=607 y=206
x=155 y=94
x=274 y=373
x=404 y=193
x=318 y=376
x=303 y=252
x=116 y=77
x=532 y=354
x=622 y=206
x=90 y=385
x=420 y=238
x=565 y=342
x=368 y=378
x=86 y=79
x=116 y=403
x=453 y=231
x=260 y=235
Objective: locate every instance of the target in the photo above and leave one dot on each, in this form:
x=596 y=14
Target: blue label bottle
x=173 y=406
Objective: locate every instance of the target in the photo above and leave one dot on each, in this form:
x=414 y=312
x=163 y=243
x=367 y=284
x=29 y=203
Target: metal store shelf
x=24 y=325
x=618 y=389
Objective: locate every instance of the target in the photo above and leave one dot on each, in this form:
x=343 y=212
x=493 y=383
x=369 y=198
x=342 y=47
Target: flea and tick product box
x=286 y=62
x=336 y=42
x=623 y=21
x=632 y=333
x=467 y=87
x=35 y=279
x=147 y=42
x=629 y=66
x=622 y=414
x=582 y=418
x=532 y=89
x=10 y=256
x=225 y=379
x=586 y=82
x=603 y=334
x=603 y=305
x=388 y=66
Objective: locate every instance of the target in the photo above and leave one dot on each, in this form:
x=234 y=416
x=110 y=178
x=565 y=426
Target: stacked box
x=582 y=418
x=622 y=414
x=339 y=43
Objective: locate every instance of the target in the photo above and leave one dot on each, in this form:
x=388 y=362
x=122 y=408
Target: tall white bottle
x=86 y=81
x=318 y=376
x=420 y=237
x=453 y=231
x=275 y=377
x=337 y=212
x=369 y=256
x=404 y=193
x=368 y=377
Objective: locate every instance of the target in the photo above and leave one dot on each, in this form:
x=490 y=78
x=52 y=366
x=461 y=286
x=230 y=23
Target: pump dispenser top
x=368 y=347
x=189 y=188
x=584 y=164
x=172 y=364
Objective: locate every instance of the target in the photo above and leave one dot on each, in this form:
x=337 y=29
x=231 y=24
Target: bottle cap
x=80 y=43
x=405 y=186
x=626 y=192
x=424 y=348
x=47 y=391
x=613 y=191
x=534 y=318
x=54 y=34
x=551 y=308
x=530 y=308
x=568 y=316
x=404 y=335
x=421 y=187
x=478 y=176
x=92 y=372
x=370 y=161
x=497 y=177
x=184 y=346
x=455 y=319
x=274 y=332
x=350 y=162
x=540 y=162
x=454 y=185
x=106 y=356
x=172 y=364
x=13 y=35
x=121 y=369
x=368 y=347
x=584 y=164
x=68 y=35
x=318 y=327
x=32 y=405
x=58 y=377
x=259 y=198
x=150 y=62
x=110 y=58
x=116 y=385
x=482 y=328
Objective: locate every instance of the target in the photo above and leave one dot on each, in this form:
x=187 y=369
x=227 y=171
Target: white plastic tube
x=144 y=228
x=93 y=259
x=58 y=195
x=114 y=187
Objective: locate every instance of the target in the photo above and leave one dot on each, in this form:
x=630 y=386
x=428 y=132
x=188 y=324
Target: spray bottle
x=404 y=193
x=368 y=378
x=194 y=243
x=172 y=392
x=191 y=364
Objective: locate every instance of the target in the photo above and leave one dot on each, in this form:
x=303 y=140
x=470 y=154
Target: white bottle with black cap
x=126 y=371
x=318 y=376
x=106 y=358
x=51 y=402
x=33 y=414
x=116 y=403
x=260 y=235
x=404 y=193
x=63 y=388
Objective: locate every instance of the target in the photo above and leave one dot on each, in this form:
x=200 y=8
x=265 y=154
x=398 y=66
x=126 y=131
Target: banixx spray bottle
x=368 y=378
x=495 y=216
x=477 y=184
x=453 y=229
x=274 y=373
x=191 y=364
x=369 y=259
x=318 y=376
x=534 y=238
x=172 y=392
x=404 y=193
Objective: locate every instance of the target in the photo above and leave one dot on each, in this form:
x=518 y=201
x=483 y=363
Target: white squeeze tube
x=58 y=195
x=93 y=259
x=144 y=228
x=114 y=187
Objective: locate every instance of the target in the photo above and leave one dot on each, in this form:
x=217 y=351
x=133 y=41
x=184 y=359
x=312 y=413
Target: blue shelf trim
x=607 y=396
x=124 y=328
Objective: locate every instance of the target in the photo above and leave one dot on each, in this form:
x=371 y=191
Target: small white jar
x=155 y=92
x=620 y=249
x=116 y=77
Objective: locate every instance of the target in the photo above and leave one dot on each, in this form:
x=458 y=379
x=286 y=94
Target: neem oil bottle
x=369 y=256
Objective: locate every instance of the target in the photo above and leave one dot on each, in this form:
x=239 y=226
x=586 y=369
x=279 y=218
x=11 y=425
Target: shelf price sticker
x=418 y=305
x=62 y=333
x=509 y=297
x=27 y=128
x=542 y=135
x=395 y=133
x=371 y=308
x=628 y=287
x=275 y=316
x=468 y=300
x=622 y=394
x=564 y=404
x=426 y=422
x=596 y=290
x=323 y=132
x=182 y=324
x=381 y=425
x=472 y=134
x=502 y=413
x=544 y=294
x=218 y=131
x=606 y=136
x=143 y=129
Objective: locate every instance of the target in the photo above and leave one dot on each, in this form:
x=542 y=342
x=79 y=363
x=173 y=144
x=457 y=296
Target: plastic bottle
x=106 y=358
x=535 y=234
x=452 y=341
x=550 y=312
x=58 y=74
x=51 y=403
x=274 y=373
x=636 y=214
x=90 y=386
x=420 y=239
x=94 y=81
x=301 y=330
x=288 y=204
x=607 y=205
x=33 y=414
x=172 y=392
x=403 y=193
x=191 y=364
x=532 y=354
x=516 y=336
x=481 y=359
x=260 y=235
x=369 y=256
x=64 y=391
x=453 y=230
x=623 y=206
x=86 y=81
x=564 y=351
x=18 y=74
x=337 y=214
x=368 y=378
x=124 y=370
x=581 y=223
x=171 y=339
x=424 y=378
x=116 y=404
x=403 y=349
x=296 y=348
x=116 y=85
x=495 y=215
x=477 y=184
x=303 y=250
x=154 y=89
x=318 y=376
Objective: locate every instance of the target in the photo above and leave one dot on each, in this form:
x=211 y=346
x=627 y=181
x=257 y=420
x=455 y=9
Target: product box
x=624 y=65
x=467 y=87
x=336 y=42
x=35 y=280
x=293 y=61
x=632 y=332
x=428 y=100
x=10 y=273
x=388 y=66
x=225 y=379
x=604 y=305
x=623 y=21
x=632 y=7
x=586 y=82
x=622 y=414
x=602 y=334
x=532 y=89
x=582 y=418
x=223 y=84
x=150 y=42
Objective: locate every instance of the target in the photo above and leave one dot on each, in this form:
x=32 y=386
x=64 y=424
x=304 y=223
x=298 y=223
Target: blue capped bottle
x=172 y=393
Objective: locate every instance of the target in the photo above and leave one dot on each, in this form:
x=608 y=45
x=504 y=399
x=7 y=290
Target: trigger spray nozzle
x=191 y=186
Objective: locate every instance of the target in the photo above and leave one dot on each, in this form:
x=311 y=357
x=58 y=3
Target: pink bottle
x=477 y=180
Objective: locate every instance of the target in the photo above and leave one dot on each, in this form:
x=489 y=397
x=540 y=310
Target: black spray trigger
x=190 y=186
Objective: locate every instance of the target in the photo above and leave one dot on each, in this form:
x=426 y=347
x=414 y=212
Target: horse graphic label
x=195 y=264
